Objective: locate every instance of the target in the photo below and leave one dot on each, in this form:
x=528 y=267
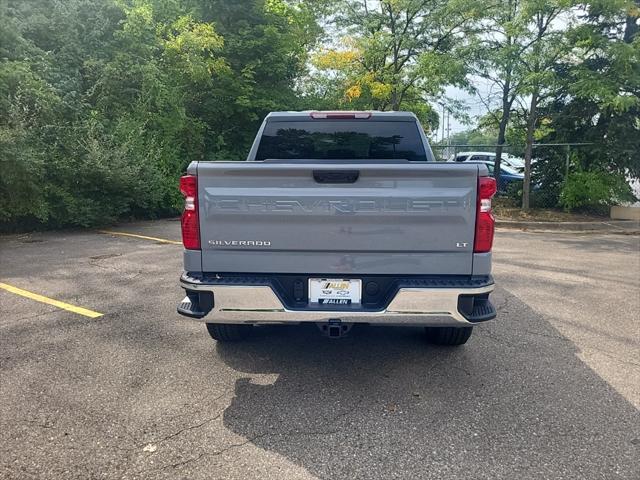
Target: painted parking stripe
x=143 y=237
x=50 y=301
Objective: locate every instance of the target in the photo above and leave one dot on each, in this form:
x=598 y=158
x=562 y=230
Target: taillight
x=485 y=223
x=190 y=223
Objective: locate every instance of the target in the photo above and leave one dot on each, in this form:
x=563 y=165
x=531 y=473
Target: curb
x=613 y=226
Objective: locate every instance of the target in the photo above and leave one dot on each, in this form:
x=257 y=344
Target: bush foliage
x=103 y=103
x=594 y=191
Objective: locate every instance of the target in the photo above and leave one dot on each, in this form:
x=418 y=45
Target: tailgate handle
x=336 y=176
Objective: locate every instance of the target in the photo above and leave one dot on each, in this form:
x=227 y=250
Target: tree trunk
x=504 y=121
x=506 y=101
x=501 y=139
x=395 y=101
x=531 y=126
x=631 y=27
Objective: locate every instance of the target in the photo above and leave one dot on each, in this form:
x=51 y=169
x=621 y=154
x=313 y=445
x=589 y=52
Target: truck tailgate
x=317 y=218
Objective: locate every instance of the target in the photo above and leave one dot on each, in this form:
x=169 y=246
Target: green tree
x=604 y=87
x=266 y=45
x=397 y=54
x=497 y=56
x=28 y=105
x=548 y=45
x=103 y=103
x=597 y=99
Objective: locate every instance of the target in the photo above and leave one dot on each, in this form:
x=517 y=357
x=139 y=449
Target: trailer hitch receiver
x=334 y=328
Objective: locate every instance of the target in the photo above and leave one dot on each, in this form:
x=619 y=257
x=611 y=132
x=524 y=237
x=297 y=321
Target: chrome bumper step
x=255 y=304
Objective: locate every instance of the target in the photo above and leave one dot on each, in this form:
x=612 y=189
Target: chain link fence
x=552 y=164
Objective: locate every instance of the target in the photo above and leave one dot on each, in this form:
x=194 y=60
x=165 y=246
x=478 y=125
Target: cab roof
x=312 y=115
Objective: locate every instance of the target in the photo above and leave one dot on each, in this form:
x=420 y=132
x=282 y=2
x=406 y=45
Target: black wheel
x=228 y=332
x=448 y=335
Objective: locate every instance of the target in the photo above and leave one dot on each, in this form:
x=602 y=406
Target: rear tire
x=228 y=332
x=451 y=336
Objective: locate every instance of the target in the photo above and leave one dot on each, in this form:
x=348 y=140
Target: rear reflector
x=338 y=115
x=190 y=221
x=485 y=223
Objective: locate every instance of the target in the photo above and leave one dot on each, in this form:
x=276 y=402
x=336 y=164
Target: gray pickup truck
x=338 y=218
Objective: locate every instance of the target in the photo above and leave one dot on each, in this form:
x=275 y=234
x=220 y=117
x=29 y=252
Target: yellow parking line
x=144 y=237
x=50 y=301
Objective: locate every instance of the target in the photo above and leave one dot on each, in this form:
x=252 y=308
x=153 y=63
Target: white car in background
x=514 y=162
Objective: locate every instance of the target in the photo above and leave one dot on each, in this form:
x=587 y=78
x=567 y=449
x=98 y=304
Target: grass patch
x=504 y=209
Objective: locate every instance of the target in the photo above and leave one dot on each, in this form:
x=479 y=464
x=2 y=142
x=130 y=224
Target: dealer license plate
x=334 y=291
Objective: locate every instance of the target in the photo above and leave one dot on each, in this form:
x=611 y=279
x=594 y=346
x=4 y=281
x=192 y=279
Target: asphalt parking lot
x=551 y=389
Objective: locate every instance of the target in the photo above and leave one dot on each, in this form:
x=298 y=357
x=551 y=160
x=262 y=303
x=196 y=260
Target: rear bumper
x=431 y=303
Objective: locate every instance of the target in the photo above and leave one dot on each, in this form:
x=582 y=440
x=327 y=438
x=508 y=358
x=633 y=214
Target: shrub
x=514 y=194
x=547 y=178
x=594 y=191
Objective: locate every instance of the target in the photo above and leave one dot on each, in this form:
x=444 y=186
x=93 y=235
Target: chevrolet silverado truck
x=338 y=218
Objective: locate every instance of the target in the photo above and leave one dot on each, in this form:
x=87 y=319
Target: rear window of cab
x=341 y=139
